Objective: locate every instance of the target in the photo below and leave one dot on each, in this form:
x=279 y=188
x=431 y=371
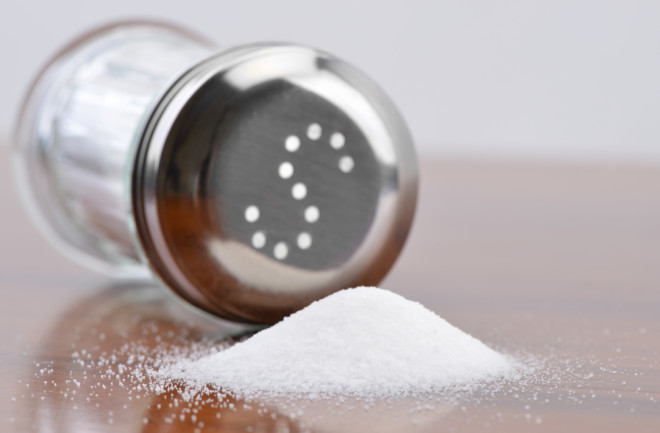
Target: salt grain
x=364 y=342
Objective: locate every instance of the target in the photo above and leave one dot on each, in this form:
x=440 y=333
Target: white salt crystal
x=362 y=342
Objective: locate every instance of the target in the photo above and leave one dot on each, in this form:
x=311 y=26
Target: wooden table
x=559 y=264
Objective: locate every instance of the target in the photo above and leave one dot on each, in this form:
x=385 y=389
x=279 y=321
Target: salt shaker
x=251 y=180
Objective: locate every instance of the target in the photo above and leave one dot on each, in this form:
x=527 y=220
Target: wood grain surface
x=555 y=265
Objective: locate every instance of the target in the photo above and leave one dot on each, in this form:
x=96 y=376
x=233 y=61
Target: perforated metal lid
x=270 y=176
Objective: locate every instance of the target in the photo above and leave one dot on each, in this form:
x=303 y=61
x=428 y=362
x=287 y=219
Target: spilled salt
x=365 y=342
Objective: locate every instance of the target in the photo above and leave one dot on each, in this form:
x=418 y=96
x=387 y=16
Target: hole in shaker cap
x=286 y=170
x=281 y=250
x=304 y=240
x=346 y=164
x=299 y=191
x=314 y=131
x=292 y=143
x=259 y=239
x=251 y=214
x=337 y=140
x=312 y=214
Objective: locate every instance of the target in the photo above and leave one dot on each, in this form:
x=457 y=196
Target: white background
x=573 y=80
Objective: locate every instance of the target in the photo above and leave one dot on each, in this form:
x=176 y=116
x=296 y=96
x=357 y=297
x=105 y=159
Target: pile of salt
x=364 y=342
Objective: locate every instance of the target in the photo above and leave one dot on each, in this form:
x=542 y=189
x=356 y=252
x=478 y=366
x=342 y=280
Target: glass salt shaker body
x=91 y=103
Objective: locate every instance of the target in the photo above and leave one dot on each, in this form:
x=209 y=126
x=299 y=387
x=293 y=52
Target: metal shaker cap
x=269 y=176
